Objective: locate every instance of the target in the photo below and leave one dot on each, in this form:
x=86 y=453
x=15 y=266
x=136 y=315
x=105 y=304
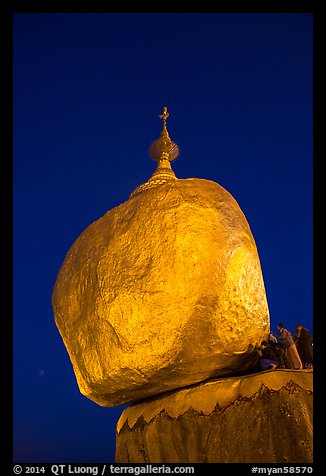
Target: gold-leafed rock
x=163 y=291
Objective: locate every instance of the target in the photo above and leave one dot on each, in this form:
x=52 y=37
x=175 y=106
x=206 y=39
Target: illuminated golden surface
x=163 y=291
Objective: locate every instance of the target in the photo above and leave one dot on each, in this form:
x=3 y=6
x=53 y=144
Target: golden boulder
x=163 y=291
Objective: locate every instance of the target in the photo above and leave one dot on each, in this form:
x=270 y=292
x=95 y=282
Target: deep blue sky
x=87 y=90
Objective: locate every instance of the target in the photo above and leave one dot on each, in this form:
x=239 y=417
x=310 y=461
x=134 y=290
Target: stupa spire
x=163 y=148
x=163 y=151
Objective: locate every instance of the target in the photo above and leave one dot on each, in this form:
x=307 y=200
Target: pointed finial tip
x=165 y=114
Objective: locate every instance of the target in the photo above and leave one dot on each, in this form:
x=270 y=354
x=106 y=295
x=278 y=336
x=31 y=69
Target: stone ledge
x=204 y=397
x=266 y=417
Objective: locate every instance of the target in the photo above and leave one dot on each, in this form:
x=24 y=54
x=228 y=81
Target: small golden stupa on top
x=164 y=151
x=164 y=291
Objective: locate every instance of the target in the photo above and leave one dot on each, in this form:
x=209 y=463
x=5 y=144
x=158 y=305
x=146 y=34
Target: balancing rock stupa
x=161 y=304
x=164 y=291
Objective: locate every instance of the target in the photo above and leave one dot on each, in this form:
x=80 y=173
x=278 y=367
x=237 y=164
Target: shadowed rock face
x=163 y=291
x=265 y=417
